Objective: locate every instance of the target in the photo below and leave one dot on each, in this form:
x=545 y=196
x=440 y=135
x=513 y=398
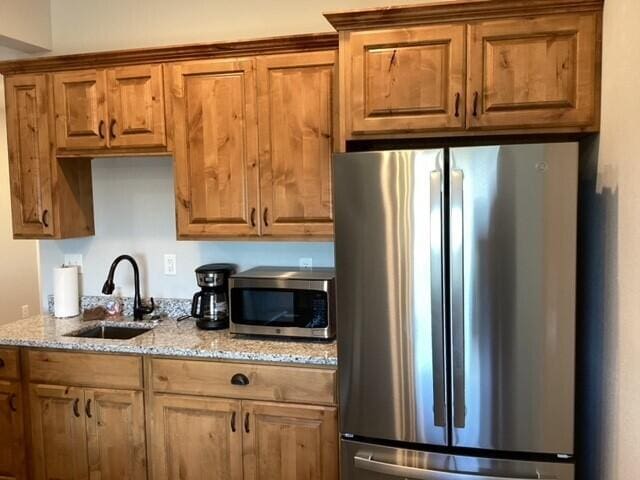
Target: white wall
x=612 y=259
x=18 y=258
x=25 y=25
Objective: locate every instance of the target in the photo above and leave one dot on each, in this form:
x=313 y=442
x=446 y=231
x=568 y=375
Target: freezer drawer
x=362 y=461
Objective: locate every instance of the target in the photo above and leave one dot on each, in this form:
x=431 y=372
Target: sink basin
x=110 y=332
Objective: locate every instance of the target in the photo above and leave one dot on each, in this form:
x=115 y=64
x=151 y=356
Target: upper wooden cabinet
x=405 y=80
x=114 y=108
x=533 y=72
x=455 y=68
x=215 y=137
x=50 y=198
x=295 y=124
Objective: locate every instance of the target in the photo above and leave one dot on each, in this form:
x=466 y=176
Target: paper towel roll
x=65 y=292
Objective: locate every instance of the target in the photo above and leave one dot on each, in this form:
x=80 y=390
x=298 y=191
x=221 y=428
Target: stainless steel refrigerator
x=455 y=273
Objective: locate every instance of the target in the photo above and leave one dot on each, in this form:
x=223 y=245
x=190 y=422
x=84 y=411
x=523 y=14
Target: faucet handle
x=150 y=308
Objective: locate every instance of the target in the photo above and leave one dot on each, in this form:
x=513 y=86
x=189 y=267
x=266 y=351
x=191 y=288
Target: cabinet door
x=136 y=106
x=196 y=438
x=58 y=432
x=405 y=80
x=533 y=72
x=215 y=147
x=30 y=156
x=289 y=442
x=115 y=434
x=295 y=125
x=11 y=432
x=81 y=111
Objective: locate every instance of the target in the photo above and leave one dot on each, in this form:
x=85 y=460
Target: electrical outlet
x=306 y=262
x=73 y=260
x=25 y=311
x=170 y=264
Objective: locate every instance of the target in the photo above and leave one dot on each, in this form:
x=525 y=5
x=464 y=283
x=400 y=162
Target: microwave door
x=388 y=251
x=513 y=213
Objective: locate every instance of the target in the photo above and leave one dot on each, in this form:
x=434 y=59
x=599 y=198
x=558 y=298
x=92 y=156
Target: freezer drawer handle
x=366 y=462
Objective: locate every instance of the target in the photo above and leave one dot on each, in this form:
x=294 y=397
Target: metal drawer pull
x=12 y=402
x=246 y=423
x=112 y=127
x=475 y=104
x=405 y=472
x=233 y=422
x=45 y=216
x=457 y=109
x=87 y=408
x=101 y=129
x=264 y=217
x=76 y=411
x=253 y=217
x=240 y=379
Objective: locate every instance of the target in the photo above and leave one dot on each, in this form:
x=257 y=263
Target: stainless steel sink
x=110 y=332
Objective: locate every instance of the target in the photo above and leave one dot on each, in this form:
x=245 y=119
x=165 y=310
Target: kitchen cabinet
x=295 y=125
x=289 y=442
x=12 y=448
x=533 y=72
x=100 y=109
x=87 y=415
x=406 y=80
x=213 y=110
x=50 y=198
x=196 y=438
x=248 y=421
x=58 y=432
x=87 y=433
x=466 y=68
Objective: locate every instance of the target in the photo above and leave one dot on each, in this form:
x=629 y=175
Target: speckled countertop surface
x=167 y=338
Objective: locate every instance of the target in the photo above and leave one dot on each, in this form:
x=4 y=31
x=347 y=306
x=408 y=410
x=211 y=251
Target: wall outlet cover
x=73 y=259
x=170 y=264
x=25 y=311
x=306 y=262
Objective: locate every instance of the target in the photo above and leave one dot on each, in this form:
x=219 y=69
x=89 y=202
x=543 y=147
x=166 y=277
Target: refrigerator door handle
x=437 y=326
x=366 y=462
x=457 y=297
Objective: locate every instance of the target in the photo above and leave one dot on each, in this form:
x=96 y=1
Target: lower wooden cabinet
x=196 y=438
x=289 y=442
x=12 y=465
x=82 y=433
x=202 y=438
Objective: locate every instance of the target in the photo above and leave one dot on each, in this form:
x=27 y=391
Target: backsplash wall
x=135 y=214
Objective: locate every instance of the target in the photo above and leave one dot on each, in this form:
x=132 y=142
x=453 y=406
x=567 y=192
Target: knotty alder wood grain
x=28 y=135
x=266 y=382
x=295 y=124
x=81 y=109
x=58 y=435
x=12 y=457
x=405 y=80
x=289 y=442
x=196 y=438
x=136 y=106
x=115 y=434
x=532 y=72
x=213 y=106
x=9 y=364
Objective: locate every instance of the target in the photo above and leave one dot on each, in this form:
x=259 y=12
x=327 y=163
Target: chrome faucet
x=138 y=309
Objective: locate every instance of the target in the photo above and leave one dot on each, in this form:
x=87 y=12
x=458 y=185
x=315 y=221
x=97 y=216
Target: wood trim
x=9 y=364
x=454 y=11
x=178 y=53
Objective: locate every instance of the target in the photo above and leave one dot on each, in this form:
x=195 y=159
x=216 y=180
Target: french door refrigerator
x=455 y=273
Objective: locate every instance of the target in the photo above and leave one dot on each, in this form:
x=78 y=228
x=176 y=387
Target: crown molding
x=262 y=46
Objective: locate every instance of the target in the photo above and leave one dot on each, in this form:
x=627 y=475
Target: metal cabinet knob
x=240 y=379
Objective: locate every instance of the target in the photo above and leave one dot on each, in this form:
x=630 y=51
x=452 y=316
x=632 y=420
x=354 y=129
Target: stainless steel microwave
x=287 y=302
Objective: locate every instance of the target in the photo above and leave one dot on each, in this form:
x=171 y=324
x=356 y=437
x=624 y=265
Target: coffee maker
x=210 y=306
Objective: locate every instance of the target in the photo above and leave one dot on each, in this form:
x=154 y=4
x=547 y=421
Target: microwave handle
x=195 y=304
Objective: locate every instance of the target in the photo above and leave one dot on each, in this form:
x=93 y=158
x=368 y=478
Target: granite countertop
x=167 y=338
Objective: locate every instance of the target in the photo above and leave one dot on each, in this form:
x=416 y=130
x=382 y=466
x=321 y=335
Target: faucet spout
x=139 y=310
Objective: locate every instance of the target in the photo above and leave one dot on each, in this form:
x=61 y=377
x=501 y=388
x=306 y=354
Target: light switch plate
x=170 y=264
x=73 y=260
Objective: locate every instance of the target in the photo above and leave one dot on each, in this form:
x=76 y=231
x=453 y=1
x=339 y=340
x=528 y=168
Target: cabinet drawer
x=265 y=382
x=9 y=363
x=84 y=369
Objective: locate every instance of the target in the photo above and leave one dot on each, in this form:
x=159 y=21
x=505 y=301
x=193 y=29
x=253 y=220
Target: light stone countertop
x=167 y=338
